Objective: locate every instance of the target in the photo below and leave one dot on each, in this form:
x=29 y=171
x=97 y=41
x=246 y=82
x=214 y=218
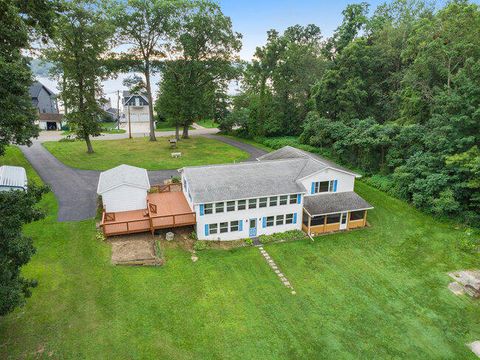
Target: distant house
x=135 y=107
x=12 y=178
x=44 y=100
x=288 y=189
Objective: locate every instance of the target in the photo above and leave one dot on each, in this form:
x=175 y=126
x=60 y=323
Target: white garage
x=124 y=188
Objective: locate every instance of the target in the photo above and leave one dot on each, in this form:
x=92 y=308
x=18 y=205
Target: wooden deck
x=166 y=209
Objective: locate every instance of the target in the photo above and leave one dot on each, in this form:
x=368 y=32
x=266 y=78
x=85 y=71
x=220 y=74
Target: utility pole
x=118 y=109
x=129 y=124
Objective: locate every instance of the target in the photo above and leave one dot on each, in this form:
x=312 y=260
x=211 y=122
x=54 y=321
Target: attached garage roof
x=334 y=203
x=123 y=175
x=13 y=176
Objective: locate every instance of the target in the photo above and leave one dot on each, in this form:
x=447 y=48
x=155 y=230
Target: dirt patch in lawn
x=134 y=249
x=182 y=239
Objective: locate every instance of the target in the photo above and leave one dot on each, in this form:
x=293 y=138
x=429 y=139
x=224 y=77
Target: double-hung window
x=289 y=219
x=242 y=204
x=219 y=207
x=208 y=209
x=213 y=228
x=234 y=225
x=280 y=219
x=262 y=202
x=283 y=199
x=230 y=206
x=293 y=199
x=252 y=203
x=223 y=227
x=270 y=220
x=273 y=201
x=323 y=186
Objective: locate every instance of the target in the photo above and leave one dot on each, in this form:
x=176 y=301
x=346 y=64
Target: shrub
x=193 y=235
x=200 y=245
x=381 y=182
x=67 y=138
x=175 y=180
x=291 y=235
x=99 y=236
x=249 y=241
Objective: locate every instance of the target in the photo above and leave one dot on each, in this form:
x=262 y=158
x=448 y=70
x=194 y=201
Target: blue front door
x=253 y=228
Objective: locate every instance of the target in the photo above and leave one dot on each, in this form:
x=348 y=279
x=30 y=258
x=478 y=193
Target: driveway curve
x=76 y=190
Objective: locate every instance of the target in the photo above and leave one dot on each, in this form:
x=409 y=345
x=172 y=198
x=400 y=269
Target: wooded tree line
x=396 y=94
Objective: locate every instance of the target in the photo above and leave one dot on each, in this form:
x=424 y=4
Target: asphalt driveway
x=76 y=190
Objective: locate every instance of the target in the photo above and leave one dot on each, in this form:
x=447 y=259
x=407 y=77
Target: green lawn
x=207 y=123
x=107 y=128
x=143 y=153
x=163 y=126
x=377 y=293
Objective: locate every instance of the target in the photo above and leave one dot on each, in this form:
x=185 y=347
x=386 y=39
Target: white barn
x=13 y=178
x=124 y=188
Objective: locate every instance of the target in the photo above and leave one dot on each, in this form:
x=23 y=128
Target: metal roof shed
x=12 y=178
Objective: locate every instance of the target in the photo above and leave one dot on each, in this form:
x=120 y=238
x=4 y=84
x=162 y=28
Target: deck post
x=365 y=218
x=309 y=222
x=324 y=222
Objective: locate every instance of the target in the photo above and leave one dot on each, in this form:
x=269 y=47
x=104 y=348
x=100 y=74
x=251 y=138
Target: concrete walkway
x=76 y=190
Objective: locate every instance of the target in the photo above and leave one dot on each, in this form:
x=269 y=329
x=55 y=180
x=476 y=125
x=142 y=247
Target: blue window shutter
x=299 y=198
x=264 y=222
x=240 y=225
x=295 y=218
x=202 y=209
x=206 y=230
x=335 y=185
x=313 y=187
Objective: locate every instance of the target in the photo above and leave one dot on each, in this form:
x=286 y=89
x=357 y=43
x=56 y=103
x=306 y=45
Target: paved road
x=75 y=189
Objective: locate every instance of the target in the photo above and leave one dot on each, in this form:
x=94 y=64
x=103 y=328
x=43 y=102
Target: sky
x=253 y=18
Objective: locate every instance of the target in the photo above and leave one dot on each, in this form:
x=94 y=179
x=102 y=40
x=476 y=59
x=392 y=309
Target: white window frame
x=232 y=225
x=208 y=209
x=223 y=227
x=280 y=217
x=251 y=201
x=217 y=207
x=283 y=198
x=215 y=226
x=288 y=219
x=229 y=206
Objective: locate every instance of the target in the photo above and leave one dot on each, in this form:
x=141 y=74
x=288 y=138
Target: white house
x=124 y=188
x=285 y=190
x=135 y=108
x=13 y=178
x=288 y=189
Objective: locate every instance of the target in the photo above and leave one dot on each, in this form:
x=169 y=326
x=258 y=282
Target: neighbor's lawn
x=374 y=293
x=107 y=128
x=163 y=126
x=207 y=123
x=143 y=153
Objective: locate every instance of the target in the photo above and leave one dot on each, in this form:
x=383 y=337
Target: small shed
x=12 y=178
x=124 y=188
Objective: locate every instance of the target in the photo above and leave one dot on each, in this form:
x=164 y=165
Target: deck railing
x=160 y=188
x=165 y=221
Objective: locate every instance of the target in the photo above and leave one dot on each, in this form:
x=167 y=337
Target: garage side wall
x=125 y=198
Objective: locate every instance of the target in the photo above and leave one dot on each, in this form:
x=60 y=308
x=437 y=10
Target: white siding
x=345 y=182
x=125 y=198
x=245 y=216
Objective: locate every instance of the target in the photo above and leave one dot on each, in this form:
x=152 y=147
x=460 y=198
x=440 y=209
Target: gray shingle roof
x=13 y=176
x=290 y=152
x=334 y=203
x=35 y=88
x=246 y=180
x=123 y=175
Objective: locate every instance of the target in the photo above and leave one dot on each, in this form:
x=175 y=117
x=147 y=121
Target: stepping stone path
x=275 y=268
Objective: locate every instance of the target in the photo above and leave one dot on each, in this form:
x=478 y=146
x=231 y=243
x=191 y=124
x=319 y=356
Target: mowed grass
x=143 y=153
x=207 y=123
x=378 y=293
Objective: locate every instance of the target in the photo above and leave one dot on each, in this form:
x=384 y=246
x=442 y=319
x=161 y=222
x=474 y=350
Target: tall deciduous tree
x=16 y=249
x=146 y=27
x=19 y=21
x=202 y=61
x=81 y=40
